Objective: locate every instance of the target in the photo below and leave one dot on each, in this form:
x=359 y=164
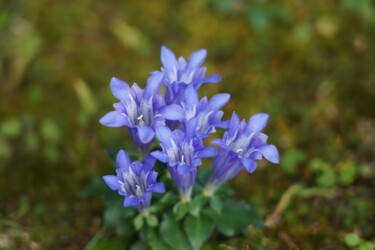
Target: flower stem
x=209 y=190
x=185 y=196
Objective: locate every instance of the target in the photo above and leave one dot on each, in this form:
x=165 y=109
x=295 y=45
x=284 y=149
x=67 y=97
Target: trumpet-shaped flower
x=207 y=112
x=179 y=74
x=135 y=180
x=241 y=145
x=182 y=151
x=140 y=110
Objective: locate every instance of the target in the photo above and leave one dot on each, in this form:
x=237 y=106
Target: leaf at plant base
x=216 y=204
x=115 y=212
x=139 y=245
x=172 y=233
x=168 y=198
x=198 y=228
x=138 y=222
x=224 y=190
x=155 y=242
x=97 y=187
x=235 y=217
x=102 y=240
x=152 y=220
x=196 y=204
x=179 y=210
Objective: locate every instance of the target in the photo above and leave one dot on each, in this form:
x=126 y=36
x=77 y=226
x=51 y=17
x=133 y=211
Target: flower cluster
x=180 y=122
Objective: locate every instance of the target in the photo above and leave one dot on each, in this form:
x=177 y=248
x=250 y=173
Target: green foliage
x=198 y=229
x=216 y=204
x=138 y=222
x=196 y=204
x=291 y=159
x=179 y=210
x=173 y=233
x=238 y=216
x=11 y=128
x=355 y=242
x=155 y=241
x=152 y=220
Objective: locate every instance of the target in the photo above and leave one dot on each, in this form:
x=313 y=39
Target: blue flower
x=182 y=151
x=140 y=110
x=207 y=113
x=135 y=180
x=179 y=74
x=241 y=145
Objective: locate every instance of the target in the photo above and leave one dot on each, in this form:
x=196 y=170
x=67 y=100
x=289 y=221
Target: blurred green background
x=309 y=64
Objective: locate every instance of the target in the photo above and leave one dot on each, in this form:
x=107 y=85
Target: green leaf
x=290 y=160
x=216 y=204
x=152 y=220
x=139 y=245
x=51 y=131
x=198 y=229
x=327 y=178
x=114 y=212
x=347 y=172
x=235 y=217
x=168 y=198
x=196 y=204
x=102 y=240
x=352 y=240
x=11 y=127
x=138 y=222
x=155 y=241
x=173 y=234
x=179 y=210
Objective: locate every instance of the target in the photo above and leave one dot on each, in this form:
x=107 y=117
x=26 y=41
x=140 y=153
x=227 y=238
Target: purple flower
x=182 y=151
x=179 y=74
x=135 y=180
x=241 y=145
x=207 y=113
x=140 y=110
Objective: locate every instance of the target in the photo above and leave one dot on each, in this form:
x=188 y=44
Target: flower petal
x=160 y=156
x=114 y=119
x=164 y=134
x=182 y=168
x=149 y=163
x=167 y=57
x=258 y=121
x=153 y=85
x=172 y=112
x=145 y=134
x=158 y=188
x=249 y=164
x=123 y=160
x=222 y=124
x=111 y=181
x=218 y=101
x=197 y=58
x=233 y=124
x=131 y=201
x=190 y=96
x=214 y=78
x=119 y=88
x=191 y=127
x=219 y=142
x=270 y=153
x=207 y=152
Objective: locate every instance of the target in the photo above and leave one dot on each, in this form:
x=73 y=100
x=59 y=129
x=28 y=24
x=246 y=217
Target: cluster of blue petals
x=180 y=122
x=134 y=180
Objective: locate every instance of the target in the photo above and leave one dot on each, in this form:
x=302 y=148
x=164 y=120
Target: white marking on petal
x=140 y=120
x=138 y=191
